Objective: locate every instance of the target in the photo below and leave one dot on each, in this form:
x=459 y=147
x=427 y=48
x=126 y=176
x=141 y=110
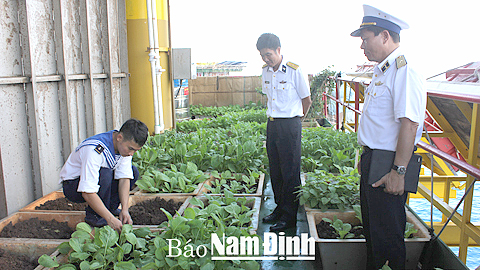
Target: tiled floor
x=267 y=207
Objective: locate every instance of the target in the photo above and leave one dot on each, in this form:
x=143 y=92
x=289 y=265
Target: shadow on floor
x=268 y=205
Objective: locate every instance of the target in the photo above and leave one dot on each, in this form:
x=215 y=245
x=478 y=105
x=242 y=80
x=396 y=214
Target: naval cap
x=375 y=17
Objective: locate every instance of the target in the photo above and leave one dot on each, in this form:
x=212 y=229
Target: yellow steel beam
x=446 y=209
x=428 y=163
x=442 y=187
x=442 y=178
x=347 y=126
x=465 y=109
x=440 y=119
x=451 y=233
x=472 y=159
x=441 y=134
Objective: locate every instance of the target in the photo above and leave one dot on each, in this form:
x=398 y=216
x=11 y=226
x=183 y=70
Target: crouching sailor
x=100 y=172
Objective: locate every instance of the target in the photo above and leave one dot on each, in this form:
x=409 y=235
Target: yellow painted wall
x=141 y=93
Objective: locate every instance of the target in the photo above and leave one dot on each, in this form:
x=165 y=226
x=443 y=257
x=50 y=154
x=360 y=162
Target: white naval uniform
x=393 y=93
x=285 y=89
x=86 y=163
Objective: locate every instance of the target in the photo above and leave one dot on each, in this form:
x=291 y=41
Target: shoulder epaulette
x=292 y=65
x=264 y=66
x=400 y=61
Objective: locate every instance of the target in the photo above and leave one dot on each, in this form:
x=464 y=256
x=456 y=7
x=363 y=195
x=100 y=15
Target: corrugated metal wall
x=63 y=78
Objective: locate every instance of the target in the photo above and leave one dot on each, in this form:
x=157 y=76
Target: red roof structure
x=468 y=73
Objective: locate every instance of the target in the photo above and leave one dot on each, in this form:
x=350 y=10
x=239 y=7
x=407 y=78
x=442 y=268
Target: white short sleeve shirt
x=285 y=89
x=86 y=163
x=393 y=93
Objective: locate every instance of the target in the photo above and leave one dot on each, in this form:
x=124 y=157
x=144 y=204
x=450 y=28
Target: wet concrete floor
x=268 y=205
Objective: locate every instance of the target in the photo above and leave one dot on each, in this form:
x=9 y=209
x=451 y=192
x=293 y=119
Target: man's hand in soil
x=115 y=223
x=125 y=217
x=97 y=205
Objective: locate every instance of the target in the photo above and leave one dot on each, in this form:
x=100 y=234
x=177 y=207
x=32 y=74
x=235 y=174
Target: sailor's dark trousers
x=384 y=219
x=284 y=156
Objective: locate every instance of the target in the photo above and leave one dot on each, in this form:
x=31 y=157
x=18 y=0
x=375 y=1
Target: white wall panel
x=15 y=144
x=63 y=78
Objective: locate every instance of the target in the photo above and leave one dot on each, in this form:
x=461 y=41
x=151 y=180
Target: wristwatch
x=401 y=170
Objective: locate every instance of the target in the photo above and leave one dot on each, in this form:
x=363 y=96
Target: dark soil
x=149 y=212
x=36 y=228
x=13 y=261
x=325 y=231
x=241 y=191
x=61 y=204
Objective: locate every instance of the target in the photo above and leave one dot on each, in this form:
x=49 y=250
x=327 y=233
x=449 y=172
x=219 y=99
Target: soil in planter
x=36 y=228
x=62 y=204
x=325 y=231
x=241 y=191
x=149 y=212
x=13 y=261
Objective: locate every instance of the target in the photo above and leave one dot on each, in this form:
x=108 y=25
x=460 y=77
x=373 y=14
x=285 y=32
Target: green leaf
x=142 y=232
x=64 y=248
x=131 y=238
x=80 y=255
x=208 y=266
x=189 y=213
x=83 y=226
x=75 y=244
x=197 y=202
x=124 y=266
x=47 y=261
x=84 y=265
x=169 y=216
x=107 y=236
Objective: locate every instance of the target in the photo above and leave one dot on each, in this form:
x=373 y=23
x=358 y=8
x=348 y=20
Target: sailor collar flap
x=103 y=143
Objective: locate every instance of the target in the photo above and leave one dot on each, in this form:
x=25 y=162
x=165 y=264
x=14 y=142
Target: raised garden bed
x=337 y=192
x=258 y=187
x=54 y=202
x=29 y=250
x=253 y=203
x=146 y=210
x=351 y=253
x=35 y=221
x=14 y=261
x=34 y=247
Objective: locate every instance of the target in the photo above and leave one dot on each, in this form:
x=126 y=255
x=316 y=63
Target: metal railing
x=467 y=229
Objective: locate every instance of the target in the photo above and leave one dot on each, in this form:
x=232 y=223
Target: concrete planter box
x=255 y=205
x=352 y=253
x=258 y=193
x=185 y=200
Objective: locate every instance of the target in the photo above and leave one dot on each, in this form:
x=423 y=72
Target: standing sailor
x=288 y=100
x=392 y=119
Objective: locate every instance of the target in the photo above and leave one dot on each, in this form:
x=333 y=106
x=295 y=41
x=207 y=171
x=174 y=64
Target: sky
x=315 y=34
